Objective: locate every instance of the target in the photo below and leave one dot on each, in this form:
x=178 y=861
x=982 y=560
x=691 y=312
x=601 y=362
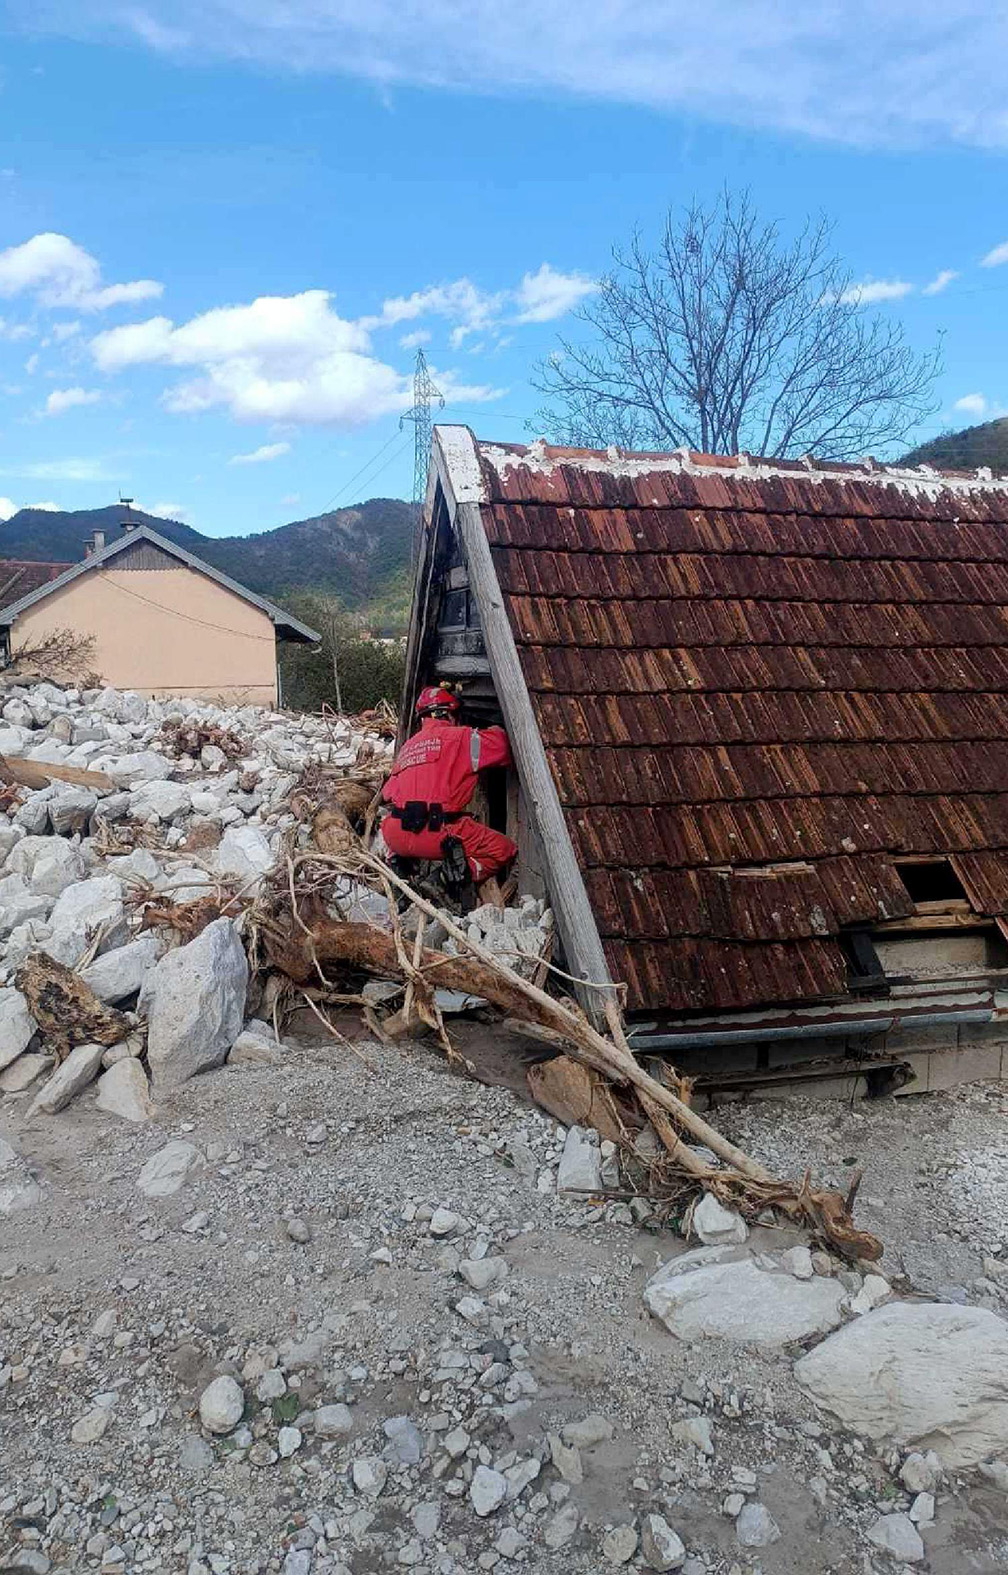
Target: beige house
x=163 y=621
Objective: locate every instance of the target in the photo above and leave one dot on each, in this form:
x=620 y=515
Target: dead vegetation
x=63 y=655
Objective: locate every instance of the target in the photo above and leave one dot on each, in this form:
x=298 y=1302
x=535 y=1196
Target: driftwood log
x=39 y=774
x=66 y=1009
x=309 y=941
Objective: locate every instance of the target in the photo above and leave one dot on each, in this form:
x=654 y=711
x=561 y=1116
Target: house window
x=930 y=880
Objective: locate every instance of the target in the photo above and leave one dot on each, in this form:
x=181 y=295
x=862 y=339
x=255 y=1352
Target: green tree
x=348 y=670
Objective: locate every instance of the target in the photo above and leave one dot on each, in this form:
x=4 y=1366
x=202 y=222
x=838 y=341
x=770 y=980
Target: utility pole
x=425 y=395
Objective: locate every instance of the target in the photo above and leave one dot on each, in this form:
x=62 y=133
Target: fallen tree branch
x=311 y=939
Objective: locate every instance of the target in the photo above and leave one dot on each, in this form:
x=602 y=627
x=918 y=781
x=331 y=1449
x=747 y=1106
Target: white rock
x=80 y=1068
x=898 y=1536
x=719 y=1292
x=580 y=1168
x=370 y=1473
x=921 y=1473
x=123 y=1091
x=695 y=1430
x=332 y=1421
x=70 y=808
x=481 y=1273
x=17 y=1026
x=444 y=1222
x=80 y=911
x=159 y=801
x=872 y=1293
x=18 y=1188
x=755 y=1527
x=58 y=867
x=131 y=770
x=165 y=1171
x=798 y=1261
x=487 y=1490
x=222 y=1405
x=661 y=1548
x=931 y=1375
x=25 y=1071
x=591 y=1430
x=19 y=904
x=197 y=1004
x=18 y=713
x=922 y=1510
x=256 y=1046
x=243 y=851
x=92 y=1426
x=715 y=1225
x=120 y=973
x=289 y=1441
x=620 y=1545
x=562 y=1527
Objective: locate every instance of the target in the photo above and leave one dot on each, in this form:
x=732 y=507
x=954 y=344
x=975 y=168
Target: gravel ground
x=386 y=1400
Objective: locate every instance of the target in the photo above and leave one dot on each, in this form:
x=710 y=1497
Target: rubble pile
x=178 y=803
x=338 y=1309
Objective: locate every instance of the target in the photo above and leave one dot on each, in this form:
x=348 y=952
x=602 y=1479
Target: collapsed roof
x=757 y=687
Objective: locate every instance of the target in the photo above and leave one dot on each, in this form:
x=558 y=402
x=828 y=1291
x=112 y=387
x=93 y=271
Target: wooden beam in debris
x=40 y=773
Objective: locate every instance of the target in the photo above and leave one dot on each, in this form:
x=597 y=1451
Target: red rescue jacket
x=438 y=765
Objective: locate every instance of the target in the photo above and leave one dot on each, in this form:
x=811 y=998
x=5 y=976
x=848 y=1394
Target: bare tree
x=61 y=654
x=727 y=339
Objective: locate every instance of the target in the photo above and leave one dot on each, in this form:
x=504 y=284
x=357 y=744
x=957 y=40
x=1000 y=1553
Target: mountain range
x=986 y=444
x=361 y=554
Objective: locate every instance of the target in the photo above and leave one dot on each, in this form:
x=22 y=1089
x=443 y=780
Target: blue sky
x=224 y=224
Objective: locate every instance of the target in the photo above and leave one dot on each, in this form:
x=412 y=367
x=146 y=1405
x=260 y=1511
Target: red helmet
x=436 y=699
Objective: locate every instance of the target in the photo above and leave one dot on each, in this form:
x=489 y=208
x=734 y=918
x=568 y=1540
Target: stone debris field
x=313 y=1304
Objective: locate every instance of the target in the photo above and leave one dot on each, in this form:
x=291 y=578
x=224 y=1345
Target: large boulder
x=196 y=1004
x=120 y=973
x=722 y=1293
x=580 y=1168
x=129 y=771
x=931 y=1375
x=82 y=909
x=17 y=1026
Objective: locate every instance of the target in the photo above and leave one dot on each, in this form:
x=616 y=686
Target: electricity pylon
x=425 y=395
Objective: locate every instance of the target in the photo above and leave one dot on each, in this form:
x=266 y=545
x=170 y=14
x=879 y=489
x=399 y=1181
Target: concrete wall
x=163 y=632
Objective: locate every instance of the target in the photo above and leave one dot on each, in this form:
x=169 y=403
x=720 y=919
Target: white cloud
x=45 y=508
x=172 y=511
x=278 y=359
x=72 y=470
x=940 y=282
x=15 y=331
x=62 y=399
x=63 y=331
x=462 y=302
x=871 y=291
x=419 y=336
x=971 y=404
x=7 y=508
x=867 y=72
x=261 y=456
x=31 y=365
x=996 y=256
x=57 y=272
x=544 y=296
x=290 y=498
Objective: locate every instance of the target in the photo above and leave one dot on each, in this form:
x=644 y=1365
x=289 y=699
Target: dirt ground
x=300 y=1245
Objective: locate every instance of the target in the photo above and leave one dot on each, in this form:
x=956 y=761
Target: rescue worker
x=432 y=781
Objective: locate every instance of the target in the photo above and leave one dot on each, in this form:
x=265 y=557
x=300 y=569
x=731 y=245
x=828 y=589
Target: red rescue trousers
x=487 y=851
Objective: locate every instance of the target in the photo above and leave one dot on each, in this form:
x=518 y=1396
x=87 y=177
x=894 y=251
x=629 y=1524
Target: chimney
x=127 y=523
x=99 y=540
